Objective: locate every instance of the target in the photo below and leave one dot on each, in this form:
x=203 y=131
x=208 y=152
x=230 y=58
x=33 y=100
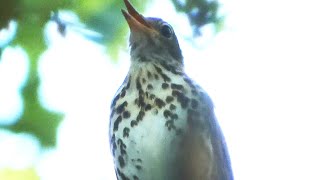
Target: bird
x=162 y=123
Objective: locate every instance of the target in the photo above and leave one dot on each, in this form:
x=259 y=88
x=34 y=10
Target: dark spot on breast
x=140 y=101
x=138 y=84
x=126 y=131
x=135 y=177
x=176 y=86
x=141 y=93
x=133 y=123
x=174 y=116
x=121 y=107
x=116 y=123
x=114 y=145
x=172 y=107
x=156 y=76
x=159 y=103
x=159 y=70
x=121 y=161
x=143 y=80
x=126 y=114
x=164 y=76
x=170 y=125
x=136 y=160
x=149 y=74
x=152 y=96
x=165 y=85
x=170 y=68
x=119 y=142
x=147 y=107
x=122 y=147
x=167 y=114
x=169 y=99
x=140 y=116
x=175 y=93
x=138 y=167
x=194 y=103
x=150 y=87
x=122 y=175
x=123 y=93
x=181 y=98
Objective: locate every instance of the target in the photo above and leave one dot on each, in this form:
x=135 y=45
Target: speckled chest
x=153 y=107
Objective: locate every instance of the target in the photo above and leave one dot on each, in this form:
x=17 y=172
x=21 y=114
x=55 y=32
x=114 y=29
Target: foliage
x=200 y=12
x=102 y=16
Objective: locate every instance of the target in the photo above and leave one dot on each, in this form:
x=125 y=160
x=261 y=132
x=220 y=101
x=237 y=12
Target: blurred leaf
x=200 y=13
x=32 y=16
x=35 y=119
x=8 y=11
x=23 y=174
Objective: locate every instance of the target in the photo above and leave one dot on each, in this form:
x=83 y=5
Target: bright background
x=262 y=71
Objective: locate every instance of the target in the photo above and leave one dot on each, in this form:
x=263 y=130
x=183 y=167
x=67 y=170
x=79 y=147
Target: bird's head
x=151 y=38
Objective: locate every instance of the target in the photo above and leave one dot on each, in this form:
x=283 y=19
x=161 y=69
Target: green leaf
x=200 y=13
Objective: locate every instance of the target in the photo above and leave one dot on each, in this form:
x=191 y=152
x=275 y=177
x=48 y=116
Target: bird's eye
x=166 y=31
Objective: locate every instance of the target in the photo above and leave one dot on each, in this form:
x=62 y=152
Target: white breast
x=150 y=140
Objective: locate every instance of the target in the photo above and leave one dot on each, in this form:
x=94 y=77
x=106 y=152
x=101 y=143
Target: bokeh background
x=258 y=60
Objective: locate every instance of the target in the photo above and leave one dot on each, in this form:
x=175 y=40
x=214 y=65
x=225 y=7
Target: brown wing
x=221 y=159
x=204 y=154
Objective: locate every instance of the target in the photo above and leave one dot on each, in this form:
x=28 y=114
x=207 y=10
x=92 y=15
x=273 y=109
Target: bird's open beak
x=136 y=21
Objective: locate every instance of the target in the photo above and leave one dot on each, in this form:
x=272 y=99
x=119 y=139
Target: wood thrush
x=162 y=124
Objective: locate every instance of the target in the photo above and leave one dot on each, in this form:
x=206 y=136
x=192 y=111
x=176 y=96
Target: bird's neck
x=149 y=75
x=156 y=64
